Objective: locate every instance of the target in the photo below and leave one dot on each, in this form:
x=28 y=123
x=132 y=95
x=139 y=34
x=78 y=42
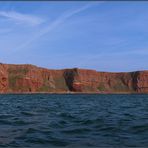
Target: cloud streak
x=60 y=20
x=18 y=17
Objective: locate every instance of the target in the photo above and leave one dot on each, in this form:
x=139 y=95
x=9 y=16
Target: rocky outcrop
x=30 y=78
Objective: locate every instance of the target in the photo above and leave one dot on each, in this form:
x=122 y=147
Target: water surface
x=43 y=120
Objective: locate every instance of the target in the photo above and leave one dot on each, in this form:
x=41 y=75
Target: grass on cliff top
x=18 y=70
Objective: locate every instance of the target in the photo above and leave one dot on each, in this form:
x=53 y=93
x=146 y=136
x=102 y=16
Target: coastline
x=73 y=93
x=30 y=79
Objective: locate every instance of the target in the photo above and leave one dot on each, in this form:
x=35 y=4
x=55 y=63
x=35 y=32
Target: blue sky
x=105 y=36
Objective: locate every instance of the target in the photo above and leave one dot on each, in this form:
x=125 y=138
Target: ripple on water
x=76 y=131
x=140 y=128
x=6 y=116
x=28 y=113
x=73 y=120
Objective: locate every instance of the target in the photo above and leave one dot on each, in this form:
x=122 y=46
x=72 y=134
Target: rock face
x=3 y=78
x=29 y=78
x=80 y=80
x=141 y=81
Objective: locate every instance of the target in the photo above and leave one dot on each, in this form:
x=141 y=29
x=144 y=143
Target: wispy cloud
x=18 y=17
x=57 y=22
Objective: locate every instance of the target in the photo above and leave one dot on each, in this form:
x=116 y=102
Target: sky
x=101 y=35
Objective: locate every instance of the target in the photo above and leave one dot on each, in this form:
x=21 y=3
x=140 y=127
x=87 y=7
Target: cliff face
x=3 y=78
x=29 y=78
x=92 y=81
x=141 y=81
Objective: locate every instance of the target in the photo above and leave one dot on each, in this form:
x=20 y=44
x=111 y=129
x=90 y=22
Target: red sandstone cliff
x=29 y=78
x=3 y=78
x=81 y=80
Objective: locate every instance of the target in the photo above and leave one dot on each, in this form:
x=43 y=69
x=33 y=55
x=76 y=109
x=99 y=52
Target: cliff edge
x=33 y=79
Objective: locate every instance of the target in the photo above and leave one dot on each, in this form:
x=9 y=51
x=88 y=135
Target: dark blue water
x=73 y=120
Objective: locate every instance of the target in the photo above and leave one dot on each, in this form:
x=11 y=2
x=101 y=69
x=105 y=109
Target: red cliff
x=29 y=78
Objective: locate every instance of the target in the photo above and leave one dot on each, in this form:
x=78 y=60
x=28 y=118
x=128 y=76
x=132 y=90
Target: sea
x=73 y=120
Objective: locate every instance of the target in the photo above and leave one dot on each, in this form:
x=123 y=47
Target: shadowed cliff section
x=32 y=79
x=69 y=76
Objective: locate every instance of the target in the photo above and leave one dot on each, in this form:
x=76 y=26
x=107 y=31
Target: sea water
x=45 y=120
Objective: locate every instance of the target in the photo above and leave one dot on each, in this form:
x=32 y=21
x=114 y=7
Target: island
x=26 y=78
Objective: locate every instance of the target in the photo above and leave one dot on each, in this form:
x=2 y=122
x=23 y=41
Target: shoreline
x=30 y=79
x=73 y=93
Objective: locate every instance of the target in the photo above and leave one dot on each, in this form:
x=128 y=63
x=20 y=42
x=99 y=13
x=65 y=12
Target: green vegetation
x=12 y=80
x=101 y=87
x=45 y=87
x=61 y=84
x=18 y=70
x=120 y=86
x=14 y=75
